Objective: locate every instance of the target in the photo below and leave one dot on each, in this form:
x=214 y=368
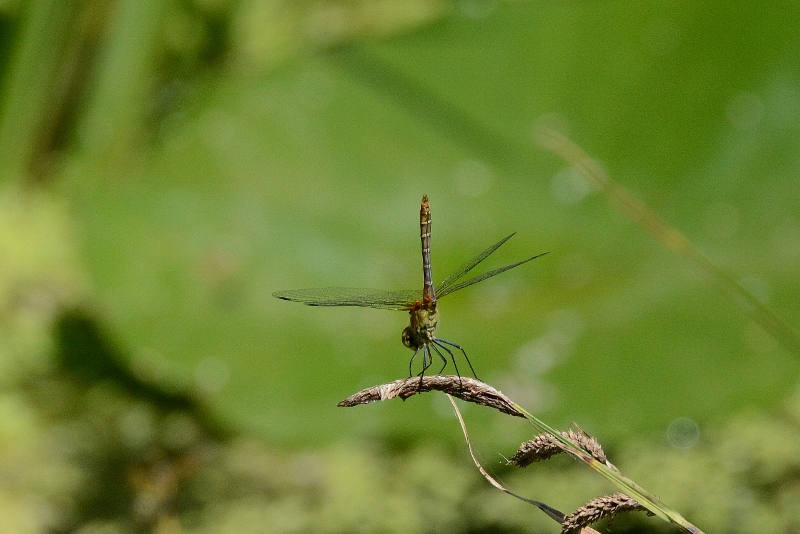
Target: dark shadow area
x=137 y=445
x=89 y=356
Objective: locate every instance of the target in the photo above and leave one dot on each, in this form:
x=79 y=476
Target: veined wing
x=449 y=289
x=452 y=278
x=450 y=284
x=351 y=296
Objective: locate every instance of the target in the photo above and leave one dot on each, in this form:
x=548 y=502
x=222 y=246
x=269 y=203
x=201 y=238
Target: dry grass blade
x=597 y=509
x=622 y=199
x=467 y=389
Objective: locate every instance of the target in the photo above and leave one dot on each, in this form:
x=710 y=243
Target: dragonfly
x=420 y=334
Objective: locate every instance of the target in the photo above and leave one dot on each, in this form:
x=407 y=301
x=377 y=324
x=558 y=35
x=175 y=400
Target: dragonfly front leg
x=427 y=360
x=411 y=363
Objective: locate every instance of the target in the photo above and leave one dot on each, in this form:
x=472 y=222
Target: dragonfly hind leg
x=439 y=342
x=436 y=346
x=452 y=357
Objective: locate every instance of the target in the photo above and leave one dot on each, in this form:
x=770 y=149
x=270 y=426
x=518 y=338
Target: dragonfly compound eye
x=406 y=337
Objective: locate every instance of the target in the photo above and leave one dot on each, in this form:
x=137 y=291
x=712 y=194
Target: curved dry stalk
x=551 y=512
x=467 y=389
x=472 y=390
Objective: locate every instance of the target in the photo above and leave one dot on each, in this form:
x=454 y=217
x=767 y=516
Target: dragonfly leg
x=411 y=363
x=436 y=346
x=427 y=360
x=439 y=341
x=452 y=357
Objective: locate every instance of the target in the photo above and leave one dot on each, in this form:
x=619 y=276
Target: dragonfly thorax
x=422 y=327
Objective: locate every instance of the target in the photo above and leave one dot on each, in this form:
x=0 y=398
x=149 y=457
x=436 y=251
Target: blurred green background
x=167 y=165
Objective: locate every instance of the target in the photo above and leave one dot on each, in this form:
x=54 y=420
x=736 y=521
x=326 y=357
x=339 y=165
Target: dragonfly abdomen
x=428 y=293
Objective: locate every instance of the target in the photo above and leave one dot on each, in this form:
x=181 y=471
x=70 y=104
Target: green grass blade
x=644 y=497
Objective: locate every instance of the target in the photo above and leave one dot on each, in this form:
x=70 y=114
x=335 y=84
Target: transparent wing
x=451 y=283
x=351 y=296
x=453 y=277
x=455 y=287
